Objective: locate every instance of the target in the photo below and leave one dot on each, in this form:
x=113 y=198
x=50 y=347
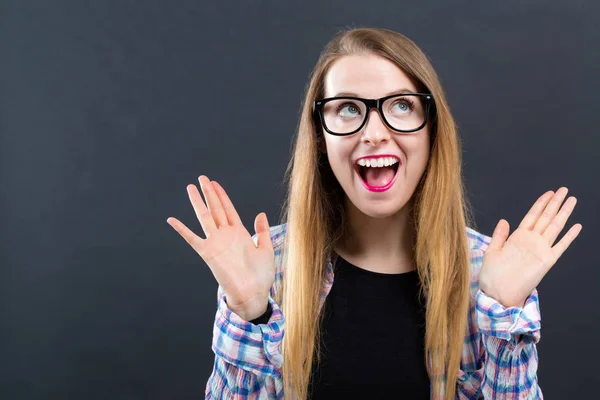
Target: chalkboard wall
x=108 y=109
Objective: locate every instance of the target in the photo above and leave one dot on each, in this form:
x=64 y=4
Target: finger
x=230 y=212
x=202 y=213
x=536 y=210
x=566 y=241
x=550 y=211
x=261 y=227
x=193 y=240
x=212 y=201
x=558 y=223
x=500 y=234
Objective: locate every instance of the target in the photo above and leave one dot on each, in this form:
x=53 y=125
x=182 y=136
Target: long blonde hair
x=314 y=213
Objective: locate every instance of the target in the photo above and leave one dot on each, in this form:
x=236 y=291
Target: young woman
x=422 y=305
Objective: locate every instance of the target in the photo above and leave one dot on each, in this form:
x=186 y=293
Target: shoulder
x=477 y=240
x=277 y=233
x=277 y=238
x=478 y=244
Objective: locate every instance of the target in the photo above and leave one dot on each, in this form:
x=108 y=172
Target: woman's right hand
x=245 y=271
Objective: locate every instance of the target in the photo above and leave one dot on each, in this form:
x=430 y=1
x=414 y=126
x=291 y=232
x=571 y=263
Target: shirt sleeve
x=247 y=356
x=509 y=337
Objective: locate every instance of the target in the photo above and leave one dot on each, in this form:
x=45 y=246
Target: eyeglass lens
x=403 y=112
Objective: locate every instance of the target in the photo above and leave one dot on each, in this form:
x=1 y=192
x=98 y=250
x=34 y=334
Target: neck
x=378 y=244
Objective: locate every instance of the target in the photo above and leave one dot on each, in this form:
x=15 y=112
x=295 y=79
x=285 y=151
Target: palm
x=245 y=271
x=522 y=257
x=512 y=268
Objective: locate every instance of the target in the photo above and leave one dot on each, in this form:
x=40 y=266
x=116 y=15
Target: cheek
x=339 y=155
x=418 y=151
x=419 y=163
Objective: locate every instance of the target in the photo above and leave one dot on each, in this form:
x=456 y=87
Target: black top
x=372 y=337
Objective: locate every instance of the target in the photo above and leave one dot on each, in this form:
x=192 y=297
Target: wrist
x=252 y=310
x=505 y=302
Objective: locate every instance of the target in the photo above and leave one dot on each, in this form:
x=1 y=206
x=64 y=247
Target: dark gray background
x=109 y=109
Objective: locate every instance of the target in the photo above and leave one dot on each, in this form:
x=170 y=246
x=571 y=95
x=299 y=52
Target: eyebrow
x=399 y=91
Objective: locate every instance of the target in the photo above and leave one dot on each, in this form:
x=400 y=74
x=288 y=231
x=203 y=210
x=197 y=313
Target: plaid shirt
x=499 y=358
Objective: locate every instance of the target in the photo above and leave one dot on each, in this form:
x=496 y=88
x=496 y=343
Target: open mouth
x=378 y=179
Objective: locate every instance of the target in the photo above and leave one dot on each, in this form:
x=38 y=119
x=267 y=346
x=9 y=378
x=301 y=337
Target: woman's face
x=371 y=76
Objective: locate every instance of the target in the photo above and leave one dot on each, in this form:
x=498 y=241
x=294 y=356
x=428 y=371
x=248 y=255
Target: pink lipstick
x=378 y=189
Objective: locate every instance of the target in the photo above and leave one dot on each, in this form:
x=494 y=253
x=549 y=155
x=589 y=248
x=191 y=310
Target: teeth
x=377 y=162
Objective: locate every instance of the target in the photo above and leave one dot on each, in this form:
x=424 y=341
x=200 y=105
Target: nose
x=375 y=130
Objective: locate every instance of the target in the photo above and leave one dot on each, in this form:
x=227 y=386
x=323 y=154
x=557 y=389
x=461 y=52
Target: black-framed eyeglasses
x=345 y=115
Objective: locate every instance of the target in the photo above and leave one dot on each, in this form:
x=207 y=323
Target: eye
x=403 y=106
x=347 y=110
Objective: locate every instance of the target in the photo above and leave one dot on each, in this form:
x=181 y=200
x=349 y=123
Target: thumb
x=261 y=226
x=500 y=235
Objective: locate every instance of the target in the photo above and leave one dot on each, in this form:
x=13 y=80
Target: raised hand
x=512 y=268
x=245 y=272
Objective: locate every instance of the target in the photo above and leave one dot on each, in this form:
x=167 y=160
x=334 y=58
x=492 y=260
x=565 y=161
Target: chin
x=380 y=212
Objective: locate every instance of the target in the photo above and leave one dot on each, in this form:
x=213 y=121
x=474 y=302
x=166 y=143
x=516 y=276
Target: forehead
x=367 y=75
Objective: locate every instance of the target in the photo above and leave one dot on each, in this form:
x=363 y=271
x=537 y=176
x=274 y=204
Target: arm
x=509 y=337
x=247 y=356
x=511 y=269
x=499 y=359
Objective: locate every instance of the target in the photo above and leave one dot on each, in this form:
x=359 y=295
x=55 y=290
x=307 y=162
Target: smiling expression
x=372 y=76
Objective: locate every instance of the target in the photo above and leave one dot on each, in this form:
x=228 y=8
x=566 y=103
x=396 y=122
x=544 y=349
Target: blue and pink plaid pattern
x=499 y=359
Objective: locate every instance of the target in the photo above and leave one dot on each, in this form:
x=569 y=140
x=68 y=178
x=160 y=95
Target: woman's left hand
x=512 y=268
